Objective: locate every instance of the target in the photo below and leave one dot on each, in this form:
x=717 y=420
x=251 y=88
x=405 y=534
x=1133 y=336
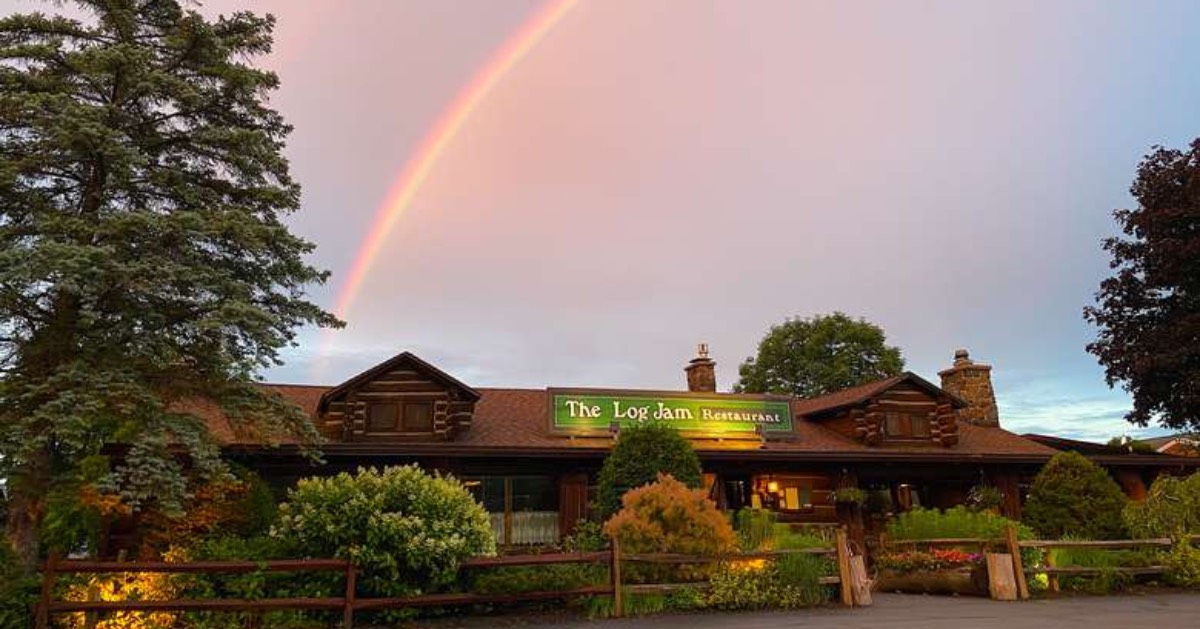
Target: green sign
x=597 y=412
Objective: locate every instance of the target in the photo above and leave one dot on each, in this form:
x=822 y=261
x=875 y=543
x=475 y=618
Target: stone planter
x=962 y=581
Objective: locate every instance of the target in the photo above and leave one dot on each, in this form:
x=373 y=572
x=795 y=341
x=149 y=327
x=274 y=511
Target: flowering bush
x=920 y=561
x=406 y=530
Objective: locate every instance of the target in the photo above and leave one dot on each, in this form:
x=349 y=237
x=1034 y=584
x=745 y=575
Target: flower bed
x=939 y=571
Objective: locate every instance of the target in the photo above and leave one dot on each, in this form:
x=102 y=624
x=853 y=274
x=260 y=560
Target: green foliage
x=785 y=537
x=801 y=573
x=548 y=578
x=1073 y=496
x=1134 y=445
x=18 y=590
x=406 y=530
x=928 y=561
x=955 y=522
x=737 y=586
x=635 y=605
x=686 y=598
x=145 y=258
x=1182 y=565
x=639 y=456
x=850 y=495
x=755 y=528
x=984 y=497
x=1171 y=508
x=818 y=355
x=587 y=537
x=1106 y=560
x=1147 y=314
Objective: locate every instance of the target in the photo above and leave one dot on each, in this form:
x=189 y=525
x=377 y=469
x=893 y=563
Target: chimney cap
x=961 y=353
x=702 y=350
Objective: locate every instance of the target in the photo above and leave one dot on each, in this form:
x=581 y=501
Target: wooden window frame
x=404 y=416
x=904 y=425
x=396 y=417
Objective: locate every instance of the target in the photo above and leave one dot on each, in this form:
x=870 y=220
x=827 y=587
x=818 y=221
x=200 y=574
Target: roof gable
x=860 y=394
x=403 y=359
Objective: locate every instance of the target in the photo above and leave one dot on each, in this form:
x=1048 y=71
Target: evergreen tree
x=1073 y=496
x=639 y=456
x=145 y=270
x=1148 y=312
x=819 y=355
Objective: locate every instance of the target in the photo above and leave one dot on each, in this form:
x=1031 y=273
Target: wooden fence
x=348 y=603
x=1013 y=546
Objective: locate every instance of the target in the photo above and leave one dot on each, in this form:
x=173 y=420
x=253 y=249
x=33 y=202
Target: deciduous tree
x=145 y=268
x=1148 y=312
x=819 y=355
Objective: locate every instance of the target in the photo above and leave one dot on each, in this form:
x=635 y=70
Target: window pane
x=920 y=425
x=418 y=417
x=381 y=417
x=534 y=493
x=893 y=425
x=489 y=491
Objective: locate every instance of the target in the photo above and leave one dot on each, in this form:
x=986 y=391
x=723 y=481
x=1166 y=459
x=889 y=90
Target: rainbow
x=417 y=170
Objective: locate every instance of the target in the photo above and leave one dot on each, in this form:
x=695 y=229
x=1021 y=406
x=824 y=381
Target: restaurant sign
x=600 y=412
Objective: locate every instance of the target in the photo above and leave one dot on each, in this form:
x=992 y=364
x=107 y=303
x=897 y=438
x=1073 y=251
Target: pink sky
x=663 y=172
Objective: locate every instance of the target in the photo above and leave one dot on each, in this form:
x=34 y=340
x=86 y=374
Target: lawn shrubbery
x=1073 y=496
x=406 y=530
x=639 y=456
x=1171 y=508
x=959 y=522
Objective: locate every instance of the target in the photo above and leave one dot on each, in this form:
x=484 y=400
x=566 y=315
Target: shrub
x=407 y=531
x=1108 y=580
x=639 y=456
x=548 y=578
x=1172 y=507
x=960 y=522
x=755 y=529
x=984 y=498
x=1182 y=565
x=1073 y=496
x=802 y=574
x=588 y=537
x=747 y=585
x=668 y=517
x=18 y=590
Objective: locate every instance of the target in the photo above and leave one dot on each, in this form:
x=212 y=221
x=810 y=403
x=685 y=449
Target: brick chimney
x=972 y=382
x=702 y=371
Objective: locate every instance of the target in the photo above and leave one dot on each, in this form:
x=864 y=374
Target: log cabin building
x=531 y=456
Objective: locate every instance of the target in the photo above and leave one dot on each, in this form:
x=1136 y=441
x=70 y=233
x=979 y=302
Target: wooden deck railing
x=349 y=603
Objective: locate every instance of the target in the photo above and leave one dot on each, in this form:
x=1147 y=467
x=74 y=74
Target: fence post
x=348 y=601
x=1051 y=578
x=843 y=560
x=43 y=606
x=1014 y=548
x=615 y=575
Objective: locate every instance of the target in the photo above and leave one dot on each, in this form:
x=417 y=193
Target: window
x=906 y=426
x=381 y=417
x=522 y=509
x=920 y=425
x=418 y=417
x=893 y=425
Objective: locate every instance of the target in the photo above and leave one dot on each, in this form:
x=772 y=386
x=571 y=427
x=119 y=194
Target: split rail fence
x=1013 y=546
x=349 y=603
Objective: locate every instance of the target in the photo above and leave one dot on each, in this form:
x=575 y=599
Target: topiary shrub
x=1073 y=496
x=1171 y=508
x=406 y=530
x=639 y=456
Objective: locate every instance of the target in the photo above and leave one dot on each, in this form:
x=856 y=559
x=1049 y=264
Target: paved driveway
x=898 y=611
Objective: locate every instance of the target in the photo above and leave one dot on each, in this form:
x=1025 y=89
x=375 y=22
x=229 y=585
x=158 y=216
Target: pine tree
x=145 y=268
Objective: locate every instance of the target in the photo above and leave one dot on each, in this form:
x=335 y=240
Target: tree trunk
x=27 y=508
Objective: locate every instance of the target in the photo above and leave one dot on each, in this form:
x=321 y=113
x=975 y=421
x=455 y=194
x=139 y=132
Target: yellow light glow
x=772 y=486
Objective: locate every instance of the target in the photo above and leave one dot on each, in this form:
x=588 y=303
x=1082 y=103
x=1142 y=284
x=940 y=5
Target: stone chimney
x=972 y=382
x=702 y=371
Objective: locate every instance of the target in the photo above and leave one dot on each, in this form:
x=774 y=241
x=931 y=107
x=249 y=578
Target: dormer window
x=400 y=417
x=906 y=426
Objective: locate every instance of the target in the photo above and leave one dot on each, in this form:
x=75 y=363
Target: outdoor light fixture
x=773 y=487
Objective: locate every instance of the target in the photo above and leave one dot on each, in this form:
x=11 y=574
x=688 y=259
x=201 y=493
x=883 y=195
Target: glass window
x=893 y=426
x=418 y=417
x=534 y=493
x=381 y=417
x=920 y=425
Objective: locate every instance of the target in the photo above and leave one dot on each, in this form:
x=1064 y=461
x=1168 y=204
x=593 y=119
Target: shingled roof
x=517 y=419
